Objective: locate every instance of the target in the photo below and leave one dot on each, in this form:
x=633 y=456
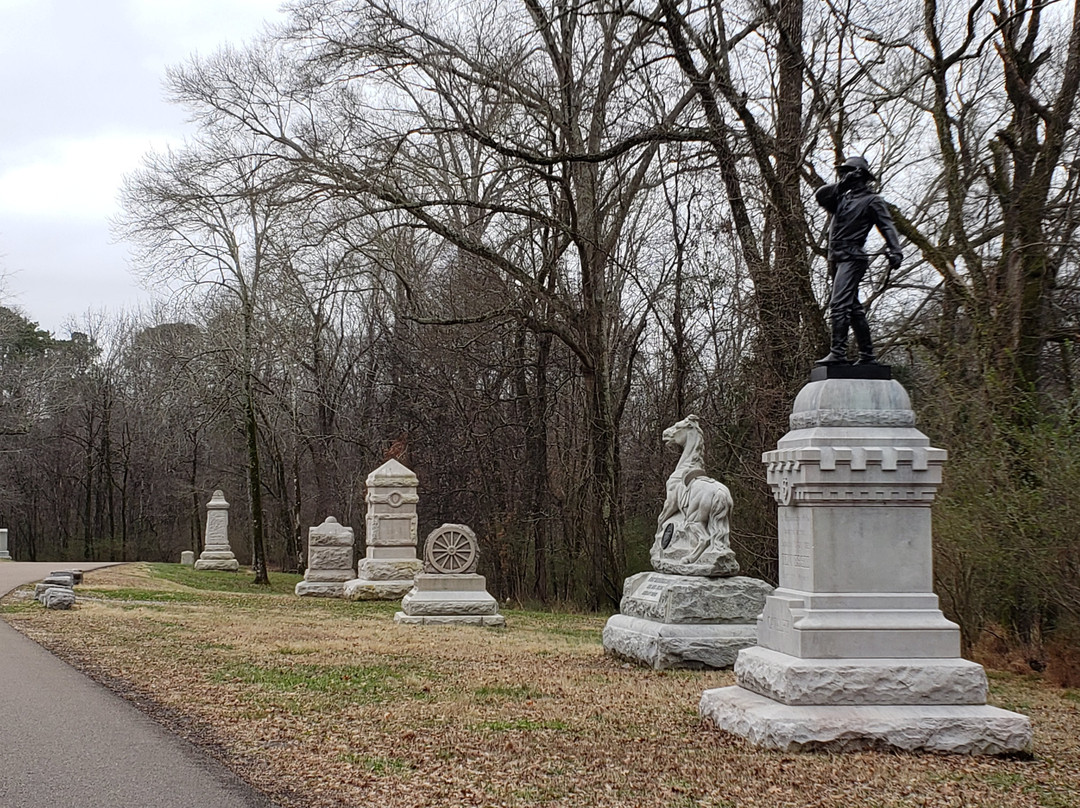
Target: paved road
x=67 y=741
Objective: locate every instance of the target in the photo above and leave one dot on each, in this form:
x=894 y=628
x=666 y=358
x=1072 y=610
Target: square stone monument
x=449 y=591
x=4 y=554
x=694 y=610
x=330 y=559
x=389 y=565
x=853 y=651
x=217 y=555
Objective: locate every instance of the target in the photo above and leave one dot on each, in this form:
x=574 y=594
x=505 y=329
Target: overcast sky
x=81 y=101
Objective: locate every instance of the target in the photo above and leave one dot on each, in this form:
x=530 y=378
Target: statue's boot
x=838 y=353
x=861 y=329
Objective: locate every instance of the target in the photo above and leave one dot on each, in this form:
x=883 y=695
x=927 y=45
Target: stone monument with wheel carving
x=852 y=650
x=694 y=610
x=449 y=591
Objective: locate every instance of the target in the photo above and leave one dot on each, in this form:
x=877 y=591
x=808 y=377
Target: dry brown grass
x=326 y=703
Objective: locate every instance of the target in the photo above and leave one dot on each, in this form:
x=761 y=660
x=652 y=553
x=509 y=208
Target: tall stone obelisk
x=853 y=651
x=217 y=554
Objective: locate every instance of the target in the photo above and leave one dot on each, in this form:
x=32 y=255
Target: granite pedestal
x=445 y=599
x=685 y=621
x=852 y=649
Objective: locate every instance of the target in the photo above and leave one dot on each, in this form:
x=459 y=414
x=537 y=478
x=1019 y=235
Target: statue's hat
x=857 y=164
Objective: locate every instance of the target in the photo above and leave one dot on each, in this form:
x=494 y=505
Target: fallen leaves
x=325 y=703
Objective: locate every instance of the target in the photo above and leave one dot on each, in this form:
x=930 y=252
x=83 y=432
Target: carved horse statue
x=703 y=503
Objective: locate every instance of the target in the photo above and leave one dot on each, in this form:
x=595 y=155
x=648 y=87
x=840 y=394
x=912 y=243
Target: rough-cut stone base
x=791 y=680
x=714 y=563
x=58 y=597
x=362 y=589
x=320 y=589
x=221 y=565
x=693 y=599
x=965 y=729
x=450 y=619
x=669 y=645
x=52 y=581
x=394 y=570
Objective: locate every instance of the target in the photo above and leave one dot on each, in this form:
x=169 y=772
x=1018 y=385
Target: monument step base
x=884 y=681
x=663 y=646
x=413 y=605
x=401 y=570
x=219 y=565
x=428 y=582
x=493 y=620
x=320 y=589
x=363 y=589
x=962 y=729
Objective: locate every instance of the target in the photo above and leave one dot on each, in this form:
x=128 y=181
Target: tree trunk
x=251 y=429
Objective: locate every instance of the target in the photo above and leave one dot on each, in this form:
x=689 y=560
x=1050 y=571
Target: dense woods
x=509 y=241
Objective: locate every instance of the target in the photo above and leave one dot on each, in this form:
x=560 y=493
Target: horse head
x=675 y=435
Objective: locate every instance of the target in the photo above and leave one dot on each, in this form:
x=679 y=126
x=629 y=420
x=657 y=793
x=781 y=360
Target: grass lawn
x=323 y=703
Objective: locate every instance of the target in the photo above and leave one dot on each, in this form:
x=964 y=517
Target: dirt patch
x=322 y=703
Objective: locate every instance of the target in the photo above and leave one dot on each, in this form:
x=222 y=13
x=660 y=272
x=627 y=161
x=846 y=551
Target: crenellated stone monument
x=694 y=610
x=330 y=560
x=852 y=649
x=4 y=554
x=389 y=565
x=217 y=555
x=449 y=591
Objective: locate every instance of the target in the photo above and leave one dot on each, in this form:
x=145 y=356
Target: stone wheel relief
x=451 y=549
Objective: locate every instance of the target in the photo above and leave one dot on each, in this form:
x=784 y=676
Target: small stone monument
x=695 y=610
x=62 y=580
x=56 y=590
x=852 y=650
x=187 y=558
x=217 y=555
x=387 y=570
x=4 y=554
x=449 y=591
x=330 y=559
x=58 y=597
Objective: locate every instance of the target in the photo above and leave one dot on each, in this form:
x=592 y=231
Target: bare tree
x=206 y=217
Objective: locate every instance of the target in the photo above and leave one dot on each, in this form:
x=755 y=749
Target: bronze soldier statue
x=855 y=208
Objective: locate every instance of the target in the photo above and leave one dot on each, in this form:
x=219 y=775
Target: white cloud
x=82 y=103
x=179 y=27
x=73 y=179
